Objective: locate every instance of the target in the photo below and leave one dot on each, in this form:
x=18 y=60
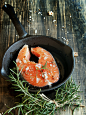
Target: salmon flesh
x=45 y=72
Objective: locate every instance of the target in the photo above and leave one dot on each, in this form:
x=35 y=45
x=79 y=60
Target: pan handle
x=10 y=11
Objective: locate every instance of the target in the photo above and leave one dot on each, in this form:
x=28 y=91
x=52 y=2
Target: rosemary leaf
x=37 y=103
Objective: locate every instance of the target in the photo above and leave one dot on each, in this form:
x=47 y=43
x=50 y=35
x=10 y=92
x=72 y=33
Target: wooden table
x=68 y=24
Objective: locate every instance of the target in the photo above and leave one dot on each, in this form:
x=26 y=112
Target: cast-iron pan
x=62 y=53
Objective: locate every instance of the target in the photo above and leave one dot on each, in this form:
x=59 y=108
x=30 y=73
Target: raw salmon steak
x=40 y=74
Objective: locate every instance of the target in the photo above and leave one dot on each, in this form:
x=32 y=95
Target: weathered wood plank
x=68 y=24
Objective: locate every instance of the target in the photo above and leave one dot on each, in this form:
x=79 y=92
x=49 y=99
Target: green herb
x=40 y=104
x=43 y=67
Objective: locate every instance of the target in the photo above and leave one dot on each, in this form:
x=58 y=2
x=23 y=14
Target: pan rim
x=19 y=40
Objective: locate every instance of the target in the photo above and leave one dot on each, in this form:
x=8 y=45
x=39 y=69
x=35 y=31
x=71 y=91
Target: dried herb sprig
x=40 y=104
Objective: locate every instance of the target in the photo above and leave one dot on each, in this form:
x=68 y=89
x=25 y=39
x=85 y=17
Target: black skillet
x=62 y=53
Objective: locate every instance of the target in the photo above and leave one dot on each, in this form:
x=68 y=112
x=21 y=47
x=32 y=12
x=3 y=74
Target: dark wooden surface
x=68 y=24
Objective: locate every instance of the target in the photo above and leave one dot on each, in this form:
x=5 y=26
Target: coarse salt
x=49 y=83
x=24 y=60
x=57 y=78
x=50 y=64
x=17 y=60
x=49 y=73
x=45 y=58
x=39 y=12
x=45 y=74
x=54 y=20
x=30 y=10
x=37 y=80
x=64 y=38
x=20 y=61
x=5 y=2
x=30 y=17
x=38 y=65
x=35 y=31
x=27 y=68
x=53 y=65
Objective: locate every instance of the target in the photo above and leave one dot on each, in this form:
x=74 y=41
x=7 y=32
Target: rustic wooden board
x=68 y=24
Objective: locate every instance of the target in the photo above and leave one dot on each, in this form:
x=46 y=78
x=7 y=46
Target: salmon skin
x=40 y=74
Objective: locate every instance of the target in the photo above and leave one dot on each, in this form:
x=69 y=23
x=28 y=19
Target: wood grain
x=68 y=25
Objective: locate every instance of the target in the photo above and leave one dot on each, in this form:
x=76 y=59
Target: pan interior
x=61 y=53
x=61 y=63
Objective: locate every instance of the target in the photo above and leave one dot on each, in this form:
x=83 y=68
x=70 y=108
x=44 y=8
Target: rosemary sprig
x=40 y=104
x=43 y=67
